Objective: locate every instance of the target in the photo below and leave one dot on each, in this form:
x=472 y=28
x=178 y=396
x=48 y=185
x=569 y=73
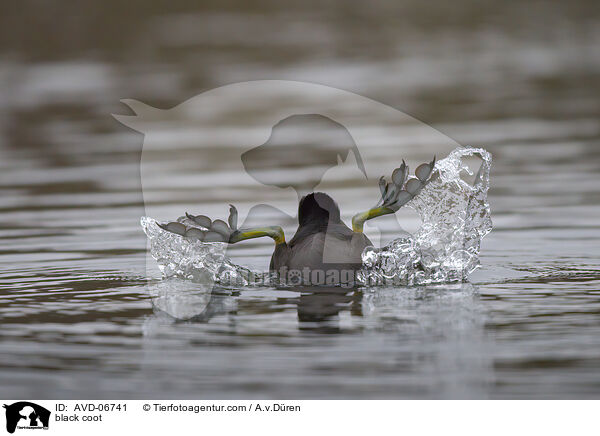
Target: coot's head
x=317 y=208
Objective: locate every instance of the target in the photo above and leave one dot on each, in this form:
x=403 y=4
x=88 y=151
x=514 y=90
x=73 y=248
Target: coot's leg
x=396 y=193
x=202 y=228
x=274 y=232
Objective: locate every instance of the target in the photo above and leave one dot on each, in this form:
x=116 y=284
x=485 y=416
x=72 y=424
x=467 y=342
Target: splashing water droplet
x=455 y=217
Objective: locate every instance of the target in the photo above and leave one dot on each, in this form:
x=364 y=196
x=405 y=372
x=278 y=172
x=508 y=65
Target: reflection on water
x=387 y=342
x=80 y=316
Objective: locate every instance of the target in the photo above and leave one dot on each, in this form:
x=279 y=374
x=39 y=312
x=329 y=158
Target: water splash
x=455 y=217
x=201 y=262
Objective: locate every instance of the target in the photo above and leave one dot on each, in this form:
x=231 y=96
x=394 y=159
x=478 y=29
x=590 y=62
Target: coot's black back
x=322 y=240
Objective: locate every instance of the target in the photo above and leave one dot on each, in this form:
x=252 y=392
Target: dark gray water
x=77 y=320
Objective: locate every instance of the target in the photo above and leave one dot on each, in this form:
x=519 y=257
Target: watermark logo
x=25 y=415
x=262 y=146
